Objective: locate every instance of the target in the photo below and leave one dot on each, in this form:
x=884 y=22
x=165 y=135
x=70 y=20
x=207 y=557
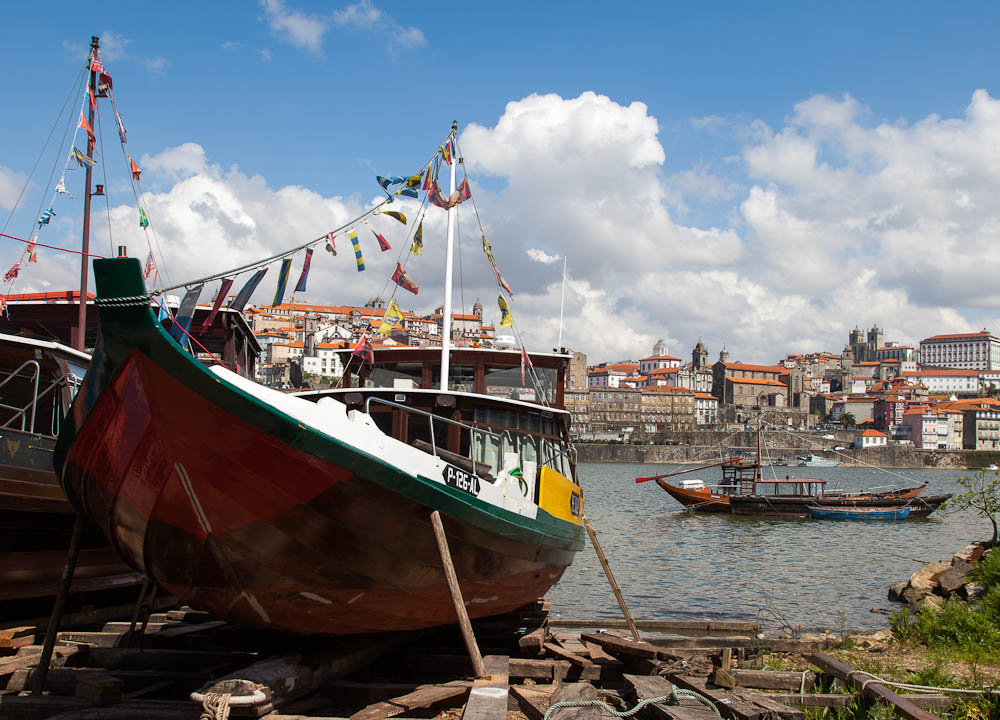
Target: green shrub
x=956 y=625
x=988 y=570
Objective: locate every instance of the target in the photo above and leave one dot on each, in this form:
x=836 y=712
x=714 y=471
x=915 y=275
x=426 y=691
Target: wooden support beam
x=727 y=704
x=870 y=690
x=565 y=654
x=456 y=595
x=926 y=702
x=568 y=692
x=421 y=697
x=531 y=701
x=774 y=679
x=693 y=628
x=488 y=696
x=626 y=613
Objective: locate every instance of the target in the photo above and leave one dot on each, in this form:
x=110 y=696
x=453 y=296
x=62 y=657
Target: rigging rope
x=51 y=247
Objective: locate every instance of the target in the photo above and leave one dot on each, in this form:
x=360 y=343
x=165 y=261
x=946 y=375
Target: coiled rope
x=672 y=699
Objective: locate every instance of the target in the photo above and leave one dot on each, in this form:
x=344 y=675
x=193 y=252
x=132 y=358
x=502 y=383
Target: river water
x=812 y=574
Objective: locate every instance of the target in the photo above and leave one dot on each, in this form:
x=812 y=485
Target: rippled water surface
x=818 y=574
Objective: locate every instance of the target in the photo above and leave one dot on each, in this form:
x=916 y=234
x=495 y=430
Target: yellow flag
x=391 y=318
x=506 y=319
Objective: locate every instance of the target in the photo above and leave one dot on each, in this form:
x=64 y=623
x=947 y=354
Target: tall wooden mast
x=80 y=341
x=446 y=320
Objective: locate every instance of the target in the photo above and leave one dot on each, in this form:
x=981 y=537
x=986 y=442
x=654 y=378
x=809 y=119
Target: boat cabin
x=789 y=487
x=478 y=424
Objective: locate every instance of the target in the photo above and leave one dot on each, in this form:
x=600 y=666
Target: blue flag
x=240 y=301
x=279 y=292
x=185 y=314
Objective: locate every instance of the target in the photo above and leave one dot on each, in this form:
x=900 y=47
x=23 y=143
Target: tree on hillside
x=982 y=494
x=848 y=420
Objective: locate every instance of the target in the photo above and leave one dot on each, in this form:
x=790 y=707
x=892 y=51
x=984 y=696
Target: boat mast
x=81 y=321
x=446 y=322
x=562 y=303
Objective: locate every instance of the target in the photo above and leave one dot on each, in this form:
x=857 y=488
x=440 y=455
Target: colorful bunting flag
x=300 y=286
x=82 y=159
x=506 y=319
x=397 y=215
x=525 y=362
x=3 y=305
x=185 y=314
x=227 y=283
x=240 y=301
x=382 y=242
x=408 y=192
x=331 y=246
x=488 y=249
x=150 y=264
x=121 y=126
x=461 y=194
x=446 y=151
x=357 y=250
x=84 y=125
x=96 y=65
x=90 y=94
x=428 y=179
x=12 y=273
x=32 y=250
x=279 y=291
x=400 y=277
x=391 y=318
x=135 y=168
x=418 y=240
x=45 y=217
x=387 y=182
x=143 y=219
x=414 y=180
x=364 y=350
x=61 y=187
x=104 y=85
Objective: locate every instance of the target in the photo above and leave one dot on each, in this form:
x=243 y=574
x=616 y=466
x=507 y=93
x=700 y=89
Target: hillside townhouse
x=965 y=351
x=870 y=439
x=946 y=381
x=657 y=362
x=982 y=427
x=928 y=429
x=706 y=409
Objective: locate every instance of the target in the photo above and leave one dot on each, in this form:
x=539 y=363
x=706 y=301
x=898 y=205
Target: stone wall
x=893 y=456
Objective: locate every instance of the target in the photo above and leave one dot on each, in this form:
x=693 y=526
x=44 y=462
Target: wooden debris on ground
x=531 y=662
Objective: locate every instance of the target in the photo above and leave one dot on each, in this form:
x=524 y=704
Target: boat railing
x=431 y=417
x=20 y=412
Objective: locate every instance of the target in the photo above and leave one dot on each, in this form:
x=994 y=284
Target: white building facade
x=966 y=351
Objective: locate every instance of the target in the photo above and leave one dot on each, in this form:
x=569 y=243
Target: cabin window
x=487 y=450
x=399 y=375
x=462 y=378
x=528 y=449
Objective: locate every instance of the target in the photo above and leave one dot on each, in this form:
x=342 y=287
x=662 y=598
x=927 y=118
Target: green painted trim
x=124 y=329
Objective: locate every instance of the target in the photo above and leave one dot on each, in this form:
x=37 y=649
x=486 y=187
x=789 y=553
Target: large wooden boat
x=314 y=517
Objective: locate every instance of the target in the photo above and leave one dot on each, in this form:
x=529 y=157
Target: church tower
x=699 y=356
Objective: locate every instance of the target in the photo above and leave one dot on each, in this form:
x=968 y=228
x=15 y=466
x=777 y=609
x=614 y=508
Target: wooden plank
x=870 y=690
x=13 y=638
x=488 y=696
x=531 y=701
x=571 y=642
x=96 y=615
x=619 y=646
x=596 y=652
x=166 y=659
x=726 y=703
x=565 y=654
x=421 y=697
x=55 y=707
x=644 y=687
x=774 y=679
x=926 y=702
x=28 y=657
x=574 y=692
x=777 y=709
x=696 y=628
x=556 y=670
x=531 y=643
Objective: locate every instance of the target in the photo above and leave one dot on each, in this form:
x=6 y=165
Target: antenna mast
x=446 y=321
x=81 y=320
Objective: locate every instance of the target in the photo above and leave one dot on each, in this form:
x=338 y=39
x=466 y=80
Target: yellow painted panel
x=556 y=495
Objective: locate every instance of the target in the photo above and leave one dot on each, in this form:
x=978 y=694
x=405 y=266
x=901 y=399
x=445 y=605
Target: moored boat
x=818 y=461
x=859 y=513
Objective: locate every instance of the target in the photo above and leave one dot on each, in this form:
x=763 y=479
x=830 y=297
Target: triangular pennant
x=331 y=245
x=461 y=194
x=300 y=286
x=104 y=85
x=12 y=273
x=414 y=180
x=32 y=254
x=395 y=214
x=121 y=126
x=418 y=239
x=364 y=350
x=136 y=172
x=82 y=159
x=387 y=182
x=85 y=125
x=408 y=192
x=392 y=316
x=143 y=219
x=382 y=242
x=400 y=277
x=185 y=314
x=506 y=319
x=227 y=283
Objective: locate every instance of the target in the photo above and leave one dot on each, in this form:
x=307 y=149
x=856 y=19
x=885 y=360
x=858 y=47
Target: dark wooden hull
x=798 y=506
x=699 y=500
x=240 y=511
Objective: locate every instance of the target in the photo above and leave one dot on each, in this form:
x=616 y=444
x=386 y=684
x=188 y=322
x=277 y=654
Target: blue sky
x=760 y=176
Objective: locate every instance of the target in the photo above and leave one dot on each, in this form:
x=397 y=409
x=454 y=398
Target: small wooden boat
x=859 y=513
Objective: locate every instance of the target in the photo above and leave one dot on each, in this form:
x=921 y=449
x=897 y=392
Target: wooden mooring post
x=456 y=596
x=611 y=577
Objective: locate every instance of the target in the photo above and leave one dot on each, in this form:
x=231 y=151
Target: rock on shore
x=933 y=583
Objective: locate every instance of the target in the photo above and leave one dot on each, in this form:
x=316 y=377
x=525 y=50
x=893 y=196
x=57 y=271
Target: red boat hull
x=221 y=513
x=701 y=500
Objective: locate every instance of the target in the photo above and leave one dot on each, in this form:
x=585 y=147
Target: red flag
x=104 y=85
x=90 y=94
x=86 y=126
x=427 y=180
x=364 y=350
x=382 y=242
x=525 y=363
x=463 y=193
x=12 y=273
x=135 y=168
x=96 y=65
x=32 y=251
x=446 y=151
x=400 y=277
x=227 y=283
